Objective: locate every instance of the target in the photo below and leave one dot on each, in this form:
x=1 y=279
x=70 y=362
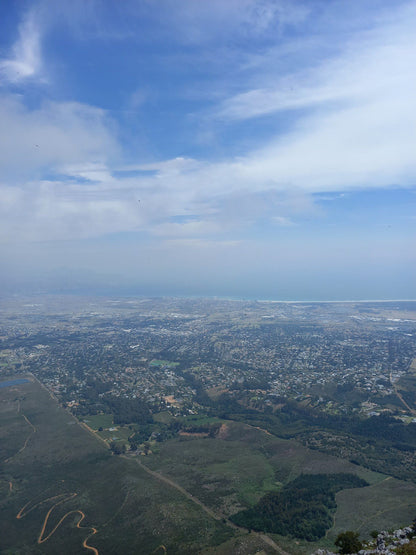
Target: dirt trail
x=271 y=543
x=179 y=488
x=209 y=511
x=66 y=497
x=91 y=431
x=30 y=423
x=34 y=430
x=412 y=411
x=378 y=513
x=261 y=429
x=51 y=395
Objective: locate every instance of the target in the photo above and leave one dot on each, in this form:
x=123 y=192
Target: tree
x=348 y=542
x=117 y=448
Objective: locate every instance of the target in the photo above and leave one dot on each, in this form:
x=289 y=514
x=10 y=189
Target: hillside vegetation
x=303 y=508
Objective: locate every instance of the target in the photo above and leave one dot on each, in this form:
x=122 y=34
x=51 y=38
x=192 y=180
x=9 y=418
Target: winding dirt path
x=66 y=497
x=24 y=511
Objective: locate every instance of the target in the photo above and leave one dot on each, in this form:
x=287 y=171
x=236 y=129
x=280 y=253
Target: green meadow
x=98 y=421
x=157 y=362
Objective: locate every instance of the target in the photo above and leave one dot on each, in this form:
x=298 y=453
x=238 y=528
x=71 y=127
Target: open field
x=163 y=417
x=121 y=433
x=390 y=501
x=99 y=421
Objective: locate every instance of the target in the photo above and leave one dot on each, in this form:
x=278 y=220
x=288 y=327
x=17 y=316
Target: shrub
x=348 y=542
x=407 y=549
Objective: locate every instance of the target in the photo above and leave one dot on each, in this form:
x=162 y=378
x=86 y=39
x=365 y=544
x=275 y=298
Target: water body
x=9 y=383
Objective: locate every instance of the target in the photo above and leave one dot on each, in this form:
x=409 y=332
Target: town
x=342 y=357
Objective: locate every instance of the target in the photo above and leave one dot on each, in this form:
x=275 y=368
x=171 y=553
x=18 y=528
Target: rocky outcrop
x=386 y=543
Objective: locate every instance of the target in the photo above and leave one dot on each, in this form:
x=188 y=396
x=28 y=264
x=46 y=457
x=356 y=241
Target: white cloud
x=360 y=127
x=58 y=161
x=283 y=221
x=51 y=137
x=58 y=211
x=367 y=146
x=25 y=60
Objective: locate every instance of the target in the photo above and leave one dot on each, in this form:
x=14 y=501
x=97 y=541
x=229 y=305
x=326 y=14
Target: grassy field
x=121 y=433
x=163 y=417
x=387 y=504
x=199 y=420
x=99 y=421
x=50 y=462
x=157 y=362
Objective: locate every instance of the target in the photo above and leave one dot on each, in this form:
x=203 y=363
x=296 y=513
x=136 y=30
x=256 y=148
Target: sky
x=233 y=148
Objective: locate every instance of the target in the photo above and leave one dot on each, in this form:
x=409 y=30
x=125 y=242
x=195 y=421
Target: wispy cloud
x=373 y=64
x=356 y=124
x=25 y=59
x=50 y=138
x=202 y=21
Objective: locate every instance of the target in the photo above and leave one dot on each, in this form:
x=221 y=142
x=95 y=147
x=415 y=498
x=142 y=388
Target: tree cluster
x=302 y=508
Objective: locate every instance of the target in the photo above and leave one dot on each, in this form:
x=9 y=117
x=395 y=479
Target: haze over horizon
x=241 y=148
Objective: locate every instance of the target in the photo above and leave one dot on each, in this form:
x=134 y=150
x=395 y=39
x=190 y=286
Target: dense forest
x=301 y=509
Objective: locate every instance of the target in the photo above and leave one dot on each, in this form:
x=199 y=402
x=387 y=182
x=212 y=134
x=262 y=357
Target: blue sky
x=244 y=148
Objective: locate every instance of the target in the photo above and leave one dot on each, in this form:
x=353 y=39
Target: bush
x=374 y=534
x=348 y=542
x=407 y=549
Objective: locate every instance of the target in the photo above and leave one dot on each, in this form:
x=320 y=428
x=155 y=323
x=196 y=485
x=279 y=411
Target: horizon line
x=201 y=297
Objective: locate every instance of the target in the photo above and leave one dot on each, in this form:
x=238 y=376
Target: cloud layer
x=217 y=125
